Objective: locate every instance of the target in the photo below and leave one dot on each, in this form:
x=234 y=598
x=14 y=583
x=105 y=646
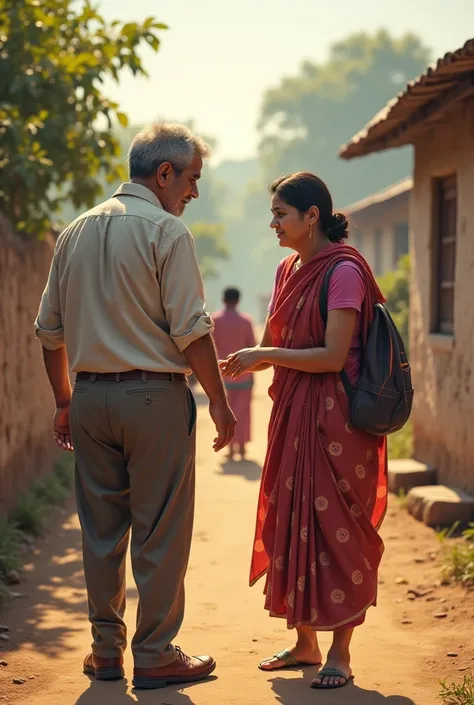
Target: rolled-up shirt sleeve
x=49 y=325
x=182 y=292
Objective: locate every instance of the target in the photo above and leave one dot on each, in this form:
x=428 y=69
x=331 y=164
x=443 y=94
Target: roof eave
x=383 y=198
x=405 y=131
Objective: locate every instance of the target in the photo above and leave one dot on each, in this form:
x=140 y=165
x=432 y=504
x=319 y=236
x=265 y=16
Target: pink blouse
x=346 y=290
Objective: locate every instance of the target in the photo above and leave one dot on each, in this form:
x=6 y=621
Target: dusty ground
x=395 y=663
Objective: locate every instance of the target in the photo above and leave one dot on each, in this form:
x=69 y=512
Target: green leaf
x=151 y=23
x=130 y=29
x=153 y=41
x=148 y=22
x=123 y=119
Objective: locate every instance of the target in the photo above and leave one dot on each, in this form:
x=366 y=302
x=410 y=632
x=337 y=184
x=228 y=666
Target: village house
x=379 y=226
x=435 y=113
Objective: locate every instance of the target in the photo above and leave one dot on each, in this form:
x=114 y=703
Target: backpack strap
x=323 y=309
x=323 y=295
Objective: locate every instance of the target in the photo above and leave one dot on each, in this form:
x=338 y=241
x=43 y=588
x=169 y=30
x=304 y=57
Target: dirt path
x=394 y=663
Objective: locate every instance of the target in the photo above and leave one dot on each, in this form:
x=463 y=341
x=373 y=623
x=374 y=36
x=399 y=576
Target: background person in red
x=233 y=331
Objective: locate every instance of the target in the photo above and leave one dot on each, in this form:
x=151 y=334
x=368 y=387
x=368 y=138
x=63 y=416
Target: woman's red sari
x=324 y=484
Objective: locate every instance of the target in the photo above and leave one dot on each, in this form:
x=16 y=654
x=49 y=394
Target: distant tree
x=211 y=246
x=56 y=133
x=306 y=118
x=396 y=287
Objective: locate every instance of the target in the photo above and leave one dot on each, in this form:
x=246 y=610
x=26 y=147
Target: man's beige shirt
x=124 y=290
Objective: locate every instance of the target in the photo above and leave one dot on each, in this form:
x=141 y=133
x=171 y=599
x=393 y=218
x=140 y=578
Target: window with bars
x=445 y=232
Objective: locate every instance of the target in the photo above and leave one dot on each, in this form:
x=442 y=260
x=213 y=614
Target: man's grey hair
x=164 y=142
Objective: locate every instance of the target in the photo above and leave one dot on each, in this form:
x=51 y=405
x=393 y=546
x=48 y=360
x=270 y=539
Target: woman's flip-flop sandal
x=331 y=673
x=289 y=662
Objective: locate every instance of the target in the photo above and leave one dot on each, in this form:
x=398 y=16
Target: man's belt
x=138 y=375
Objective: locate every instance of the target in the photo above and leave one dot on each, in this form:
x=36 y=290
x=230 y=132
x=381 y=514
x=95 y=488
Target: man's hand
x=56 y=364
x=62 y=433
x=224 y=421
x=201 y=356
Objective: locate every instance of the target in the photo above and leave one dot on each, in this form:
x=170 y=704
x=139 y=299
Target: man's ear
x=163 y=173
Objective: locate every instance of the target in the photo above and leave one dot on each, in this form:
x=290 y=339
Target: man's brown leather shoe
x=185 y=669
x=104 y=669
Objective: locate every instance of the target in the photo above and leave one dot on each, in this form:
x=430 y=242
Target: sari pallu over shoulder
x=323 y=489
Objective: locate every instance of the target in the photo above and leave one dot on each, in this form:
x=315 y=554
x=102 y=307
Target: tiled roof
x=423 y=100
x=387 y=194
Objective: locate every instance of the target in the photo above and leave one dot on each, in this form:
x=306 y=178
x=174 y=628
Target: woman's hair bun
x=338 y=227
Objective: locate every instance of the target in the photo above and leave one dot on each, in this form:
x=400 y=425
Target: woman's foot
x=307 y=654
x=242 y=452
x=338 y=662
x=341 y=665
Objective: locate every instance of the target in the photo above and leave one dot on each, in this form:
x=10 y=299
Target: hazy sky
x=218 y=57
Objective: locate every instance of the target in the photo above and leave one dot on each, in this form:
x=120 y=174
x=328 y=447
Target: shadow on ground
x=293 y=691
x=118 y=693
x=53 y=582
x=249 y=469
x=287 y=692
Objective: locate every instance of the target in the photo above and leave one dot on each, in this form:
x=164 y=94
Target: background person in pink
x=234 y=331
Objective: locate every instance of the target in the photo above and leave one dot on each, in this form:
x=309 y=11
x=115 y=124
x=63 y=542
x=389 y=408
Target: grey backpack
x=381 y=401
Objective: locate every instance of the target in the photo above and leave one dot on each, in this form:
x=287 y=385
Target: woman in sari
x=323 y=493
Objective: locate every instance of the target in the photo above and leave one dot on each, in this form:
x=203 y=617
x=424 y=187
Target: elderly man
x=124 y=309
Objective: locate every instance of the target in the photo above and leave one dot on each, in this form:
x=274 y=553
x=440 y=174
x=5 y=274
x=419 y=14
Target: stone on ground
x=407 y=473
x=438 y=505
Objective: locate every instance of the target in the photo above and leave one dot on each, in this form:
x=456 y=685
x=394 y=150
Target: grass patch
x=50 y=491
x=400 y=444
x=63 y=470
x=458 y=693
x=10 y=539
x=30 y=515
x=458 y=558
x=33 y=506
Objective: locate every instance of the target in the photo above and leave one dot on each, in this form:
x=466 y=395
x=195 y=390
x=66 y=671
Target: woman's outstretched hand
x=245 y=360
